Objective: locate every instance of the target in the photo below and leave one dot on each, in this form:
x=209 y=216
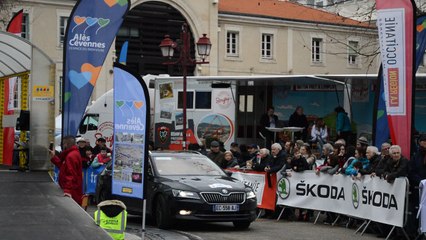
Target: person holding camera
x=102 y=158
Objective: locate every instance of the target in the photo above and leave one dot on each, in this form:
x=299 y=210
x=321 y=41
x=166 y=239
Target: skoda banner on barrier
x=369 y=198
x=90 y=32
x=131 y=116
x=258 y=181
x=395 y=22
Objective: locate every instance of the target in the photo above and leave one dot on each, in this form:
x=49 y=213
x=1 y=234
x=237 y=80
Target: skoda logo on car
x=283 y=189
x=224 y=191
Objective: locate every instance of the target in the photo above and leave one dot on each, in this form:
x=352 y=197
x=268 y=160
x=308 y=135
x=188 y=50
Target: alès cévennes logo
x=82 y=41
x=283 y=189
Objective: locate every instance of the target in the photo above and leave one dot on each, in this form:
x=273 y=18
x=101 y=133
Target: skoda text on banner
x=90 y=32
x=371 y=198
x=395 y=22
x=131 y=116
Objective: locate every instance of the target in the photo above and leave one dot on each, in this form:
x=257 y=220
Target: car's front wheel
x=162 y=213
x=241 y=224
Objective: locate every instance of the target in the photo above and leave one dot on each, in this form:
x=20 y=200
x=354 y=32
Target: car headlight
x=184 y=194
x=250 y=195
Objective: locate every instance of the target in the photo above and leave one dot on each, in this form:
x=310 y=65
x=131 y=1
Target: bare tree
x=6 y=8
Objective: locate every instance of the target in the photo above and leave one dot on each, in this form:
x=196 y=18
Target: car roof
x=168 y=153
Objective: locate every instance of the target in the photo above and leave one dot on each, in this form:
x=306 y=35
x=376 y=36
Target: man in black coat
x=278 y=159
x=397 y=166
x=298 y=119
x=216 y=155
x=269 y=119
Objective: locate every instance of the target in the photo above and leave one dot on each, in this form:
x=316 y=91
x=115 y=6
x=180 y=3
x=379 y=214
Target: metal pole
x=184 y=63
x=143 y=219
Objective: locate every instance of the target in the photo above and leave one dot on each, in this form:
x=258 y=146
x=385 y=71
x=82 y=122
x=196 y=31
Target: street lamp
x=168 y=46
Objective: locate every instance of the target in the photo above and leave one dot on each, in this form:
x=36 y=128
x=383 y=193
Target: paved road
x=264 y=229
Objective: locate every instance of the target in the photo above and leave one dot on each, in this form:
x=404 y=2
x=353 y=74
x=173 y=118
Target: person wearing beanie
x=216 y=155
x=362 y=142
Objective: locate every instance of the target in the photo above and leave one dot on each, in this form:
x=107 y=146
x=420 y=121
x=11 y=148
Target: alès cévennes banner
x=90 y=32
x=131 y=121
x=395 y=22
x=369 y=198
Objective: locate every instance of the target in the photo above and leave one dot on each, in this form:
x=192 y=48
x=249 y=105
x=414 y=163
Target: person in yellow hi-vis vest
x=112 y=216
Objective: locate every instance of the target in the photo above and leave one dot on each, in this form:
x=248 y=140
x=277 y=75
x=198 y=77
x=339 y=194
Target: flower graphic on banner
x=130 y=105
x=111 y=3
x=88 y=74
x=421 y=26
x=90 y=21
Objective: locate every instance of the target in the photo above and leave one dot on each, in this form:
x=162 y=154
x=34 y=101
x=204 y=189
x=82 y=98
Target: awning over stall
x=15 y=55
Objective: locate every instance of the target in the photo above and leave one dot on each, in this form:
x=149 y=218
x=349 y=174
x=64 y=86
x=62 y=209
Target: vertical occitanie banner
x=395 y=22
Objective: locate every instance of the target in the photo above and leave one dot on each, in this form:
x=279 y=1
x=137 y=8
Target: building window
x=317 y=50
x=63 y=21
x=127 y=31
x=16 y=93
x=189 y=100
x=232 y=45
x=202 y=100
x=25 y=26
x=266 y=48
x=246 y=106
x=353 y=52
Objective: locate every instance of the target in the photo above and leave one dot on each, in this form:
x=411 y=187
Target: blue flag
x=382 y=132
x=91 y=30
x=131 y=126
x=123 y=53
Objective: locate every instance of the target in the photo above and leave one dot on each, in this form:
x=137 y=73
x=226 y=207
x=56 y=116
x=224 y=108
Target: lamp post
x=168 y=46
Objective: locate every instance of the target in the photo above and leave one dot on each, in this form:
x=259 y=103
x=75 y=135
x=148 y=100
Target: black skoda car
x=187 y=186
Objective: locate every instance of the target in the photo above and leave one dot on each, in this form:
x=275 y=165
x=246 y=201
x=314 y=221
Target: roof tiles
x=285 y=10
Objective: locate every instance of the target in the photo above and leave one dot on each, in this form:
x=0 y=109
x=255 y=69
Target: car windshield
x=186 y=165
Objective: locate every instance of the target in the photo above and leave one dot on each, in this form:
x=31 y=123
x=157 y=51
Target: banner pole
x=143 y=219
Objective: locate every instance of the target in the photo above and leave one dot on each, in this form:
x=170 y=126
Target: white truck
x=211 y=113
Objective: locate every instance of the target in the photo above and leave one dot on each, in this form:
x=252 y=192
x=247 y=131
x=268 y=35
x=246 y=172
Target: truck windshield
x=186 y=165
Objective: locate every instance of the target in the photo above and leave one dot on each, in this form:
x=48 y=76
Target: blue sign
x=91 y=30
x=131 y=116
x=91 y=178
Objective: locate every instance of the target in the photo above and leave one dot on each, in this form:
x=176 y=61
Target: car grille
x=234 y=197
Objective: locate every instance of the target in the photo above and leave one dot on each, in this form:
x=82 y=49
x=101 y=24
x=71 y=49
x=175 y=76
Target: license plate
x=226 y=208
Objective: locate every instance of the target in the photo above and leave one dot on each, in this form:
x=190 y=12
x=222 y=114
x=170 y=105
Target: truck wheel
x=241 y=224
x=162 y=213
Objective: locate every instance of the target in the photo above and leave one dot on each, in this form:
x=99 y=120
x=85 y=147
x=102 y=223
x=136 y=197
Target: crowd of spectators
x=359 y=161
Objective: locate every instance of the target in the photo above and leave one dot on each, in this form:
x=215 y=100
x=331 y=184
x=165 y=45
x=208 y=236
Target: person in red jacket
x=70 y=169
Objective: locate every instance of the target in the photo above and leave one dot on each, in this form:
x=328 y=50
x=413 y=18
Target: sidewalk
x=33 y=207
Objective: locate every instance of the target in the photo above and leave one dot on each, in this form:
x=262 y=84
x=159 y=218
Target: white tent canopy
x=15 y=54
